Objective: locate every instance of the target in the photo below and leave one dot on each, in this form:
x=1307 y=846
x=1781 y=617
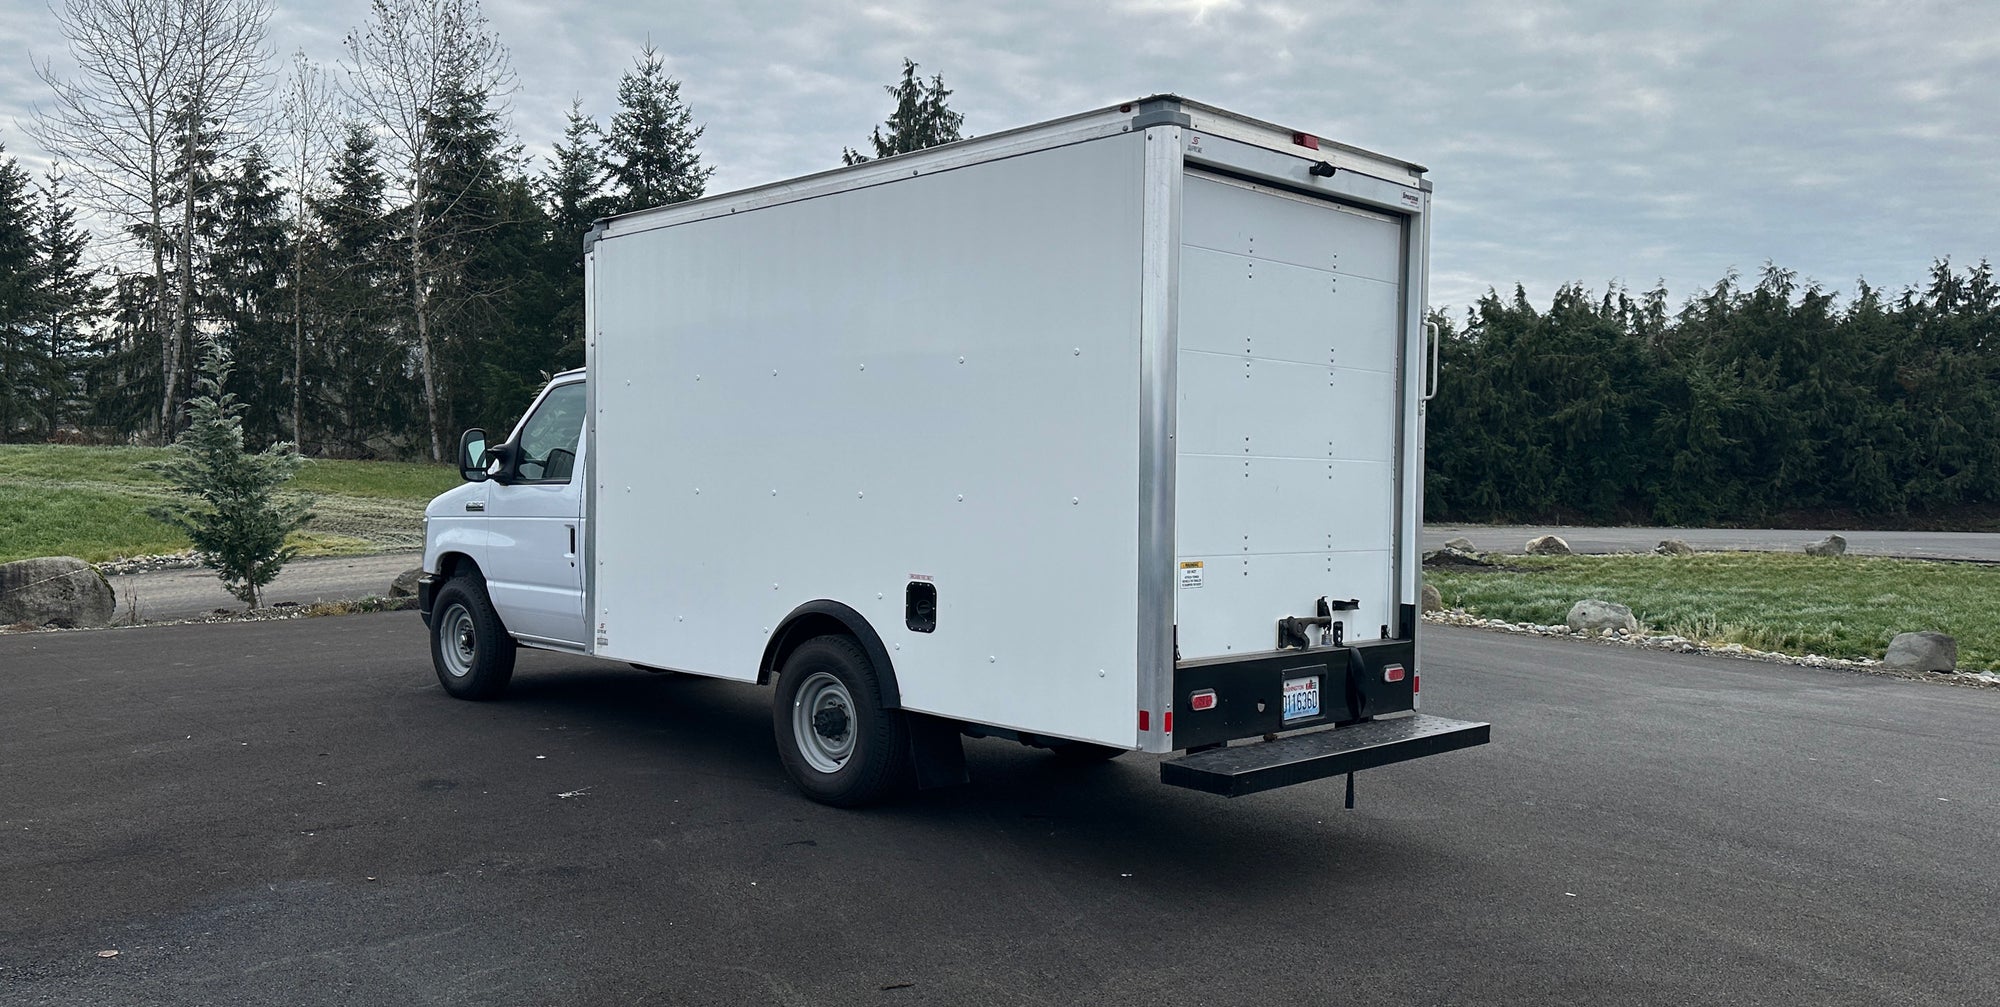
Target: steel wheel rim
x=822 y=693
x=457 y=641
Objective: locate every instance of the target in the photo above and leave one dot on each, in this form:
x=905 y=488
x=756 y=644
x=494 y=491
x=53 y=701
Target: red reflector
x=1167 y=722
x=1416 y=683
x=1203 y=700
x=1393 y=673
x=1144 y=720
x=1306 y=140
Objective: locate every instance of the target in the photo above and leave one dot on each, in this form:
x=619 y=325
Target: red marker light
x=1203 y=700
x=1306 y=140
x=1167 y=722
x=1393 y=673
x=1144 y=720
x=1416 y=683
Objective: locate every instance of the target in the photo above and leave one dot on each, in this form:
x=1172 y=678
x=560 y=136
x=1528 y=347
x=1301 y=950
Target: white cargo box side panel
x=1290 y=327
x=934 y=377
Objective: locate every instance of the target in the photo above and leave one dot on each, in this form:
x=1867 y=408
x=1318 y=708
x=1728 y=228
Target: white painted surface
x=937 y=376
x=1288 y=413
x=531 y=563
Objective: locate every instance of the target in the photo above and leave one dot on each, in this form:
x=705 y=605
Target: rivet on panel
x=1073 y=501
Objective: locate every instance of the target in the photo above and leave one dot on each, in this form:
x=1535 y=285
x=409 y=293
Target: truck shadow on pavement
x=708 y=746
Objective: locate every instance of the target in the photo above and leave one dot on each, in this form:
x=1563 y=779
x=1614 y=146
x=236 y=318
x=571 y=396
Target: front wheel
x=839 y=745
x=470 y=649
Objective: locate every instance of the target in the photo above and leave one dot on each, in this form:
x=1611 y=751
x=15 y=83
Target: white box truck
x=1102 y=435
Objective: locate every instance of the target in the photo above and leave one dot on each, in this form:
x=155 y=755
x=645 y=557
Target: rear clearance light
x=1306 y=140
x=1145 y=720
x=1203 y=700
x=1393 y=673
x=1167 y=722
x=1416 y=683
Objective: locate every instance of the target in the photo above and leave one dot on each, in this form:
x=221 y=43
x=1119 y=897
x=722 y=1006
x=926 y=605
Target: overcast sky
x=1590 y=142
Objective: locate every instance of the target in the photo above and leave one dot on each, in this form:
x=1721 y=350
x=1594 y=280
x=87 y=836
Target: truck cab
x=515 y=531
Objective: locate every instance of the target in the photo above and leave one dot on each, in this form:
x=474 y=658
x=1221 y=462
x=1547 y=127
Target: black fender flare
x=823 y=617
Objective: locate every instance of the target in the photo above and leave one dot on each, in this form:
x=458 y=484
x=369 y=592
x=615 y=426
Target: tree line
x=368 y=243
x=1746 y=403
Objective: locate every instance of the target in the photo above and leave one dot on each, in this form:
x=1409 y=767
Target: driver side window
x=549 y=438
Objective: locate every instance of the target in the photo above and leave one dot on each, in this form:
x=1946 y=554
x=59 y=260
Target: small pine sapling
x=228 y=502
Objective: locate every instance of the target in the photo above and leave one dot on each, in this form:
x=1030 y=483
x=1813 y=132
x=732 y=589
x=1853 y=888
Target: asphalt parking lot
x=292 y=812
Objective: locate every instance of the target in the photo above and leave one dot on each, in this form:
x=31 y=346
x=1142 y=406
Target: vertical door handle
x=572 y=540
x=1433 y=342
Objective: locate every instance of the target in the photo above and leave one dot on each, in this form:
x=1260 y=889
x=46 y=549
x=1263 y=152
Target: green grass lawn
x=90 y=502
x=1846 y=607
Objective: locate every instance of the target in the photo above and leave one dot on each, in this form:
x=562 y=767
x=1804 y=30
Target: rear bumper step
x=1302 y=758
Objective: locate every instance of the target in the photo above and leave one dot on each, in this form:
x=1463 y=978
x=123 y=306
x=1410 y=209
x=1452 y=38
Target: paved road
x=1918 y=544
x=292 y=813
x=183 y=594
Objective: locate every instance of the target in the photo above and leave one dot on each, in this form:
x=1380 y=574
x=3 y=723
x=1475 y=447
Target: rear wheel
x=470 y=649
x=839 y=745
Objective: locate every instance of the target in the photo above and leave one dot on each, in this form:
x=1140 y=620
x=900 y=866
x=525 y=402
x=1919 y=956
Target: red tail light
x=1393 y=673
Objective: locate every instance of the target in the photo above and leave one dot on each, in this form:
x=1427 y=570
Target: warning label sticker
x=1191 y=574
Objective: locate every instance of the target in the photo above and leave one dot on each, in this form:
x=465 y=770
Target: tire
x=839 y=745
x=470 y=648
x=1083 y=753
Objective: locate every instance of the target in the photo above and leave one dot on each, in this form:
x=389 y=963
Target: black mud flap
x=1302 y=758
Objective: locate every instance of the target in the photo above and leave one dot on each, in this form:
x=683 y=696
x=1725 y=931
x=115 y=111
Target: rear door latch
x=1294 y=632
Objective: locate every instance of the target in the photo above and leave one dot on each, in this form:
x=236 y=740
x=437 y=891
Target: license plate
x=1301 y=697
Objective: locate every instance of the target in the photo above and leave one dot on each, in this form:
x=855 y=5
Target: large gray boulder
x=405 y=584
x=1548 y=545
x=1460 y=544
x=1673 y=547
x=1432 y=600
x=55 y=591
x=1832 y=545
x=1594 y=616
x=1924 y=651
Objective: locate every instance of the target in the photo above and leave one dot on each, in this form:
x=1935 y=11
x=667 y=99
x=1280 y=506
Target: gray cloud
x=1569 y=141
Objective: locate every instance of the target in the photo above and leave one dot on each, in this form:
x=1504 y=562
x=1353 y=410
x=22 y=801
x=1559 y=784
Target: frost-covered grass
x=90 y=502
x=1846 y=606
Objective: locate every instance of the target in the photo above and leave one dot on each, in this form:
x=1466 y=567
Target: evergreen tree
x=922 y=118
x=496 y=297
x=244 y=299
x=650 y=148
x=358 y=369
x=573 y=194
x=228 y=503
x=20 y=296
x=71 y=302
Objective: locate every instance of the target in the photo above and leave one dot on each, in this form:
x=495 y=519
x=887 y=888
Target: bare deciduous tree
x=398 y=68
x=310 y=114
x=114 y=123
x=153 y=77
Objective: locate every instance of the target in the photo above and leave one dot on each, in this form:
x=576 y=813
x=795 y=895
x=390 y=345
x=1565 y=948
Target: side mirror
x=472 y=455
